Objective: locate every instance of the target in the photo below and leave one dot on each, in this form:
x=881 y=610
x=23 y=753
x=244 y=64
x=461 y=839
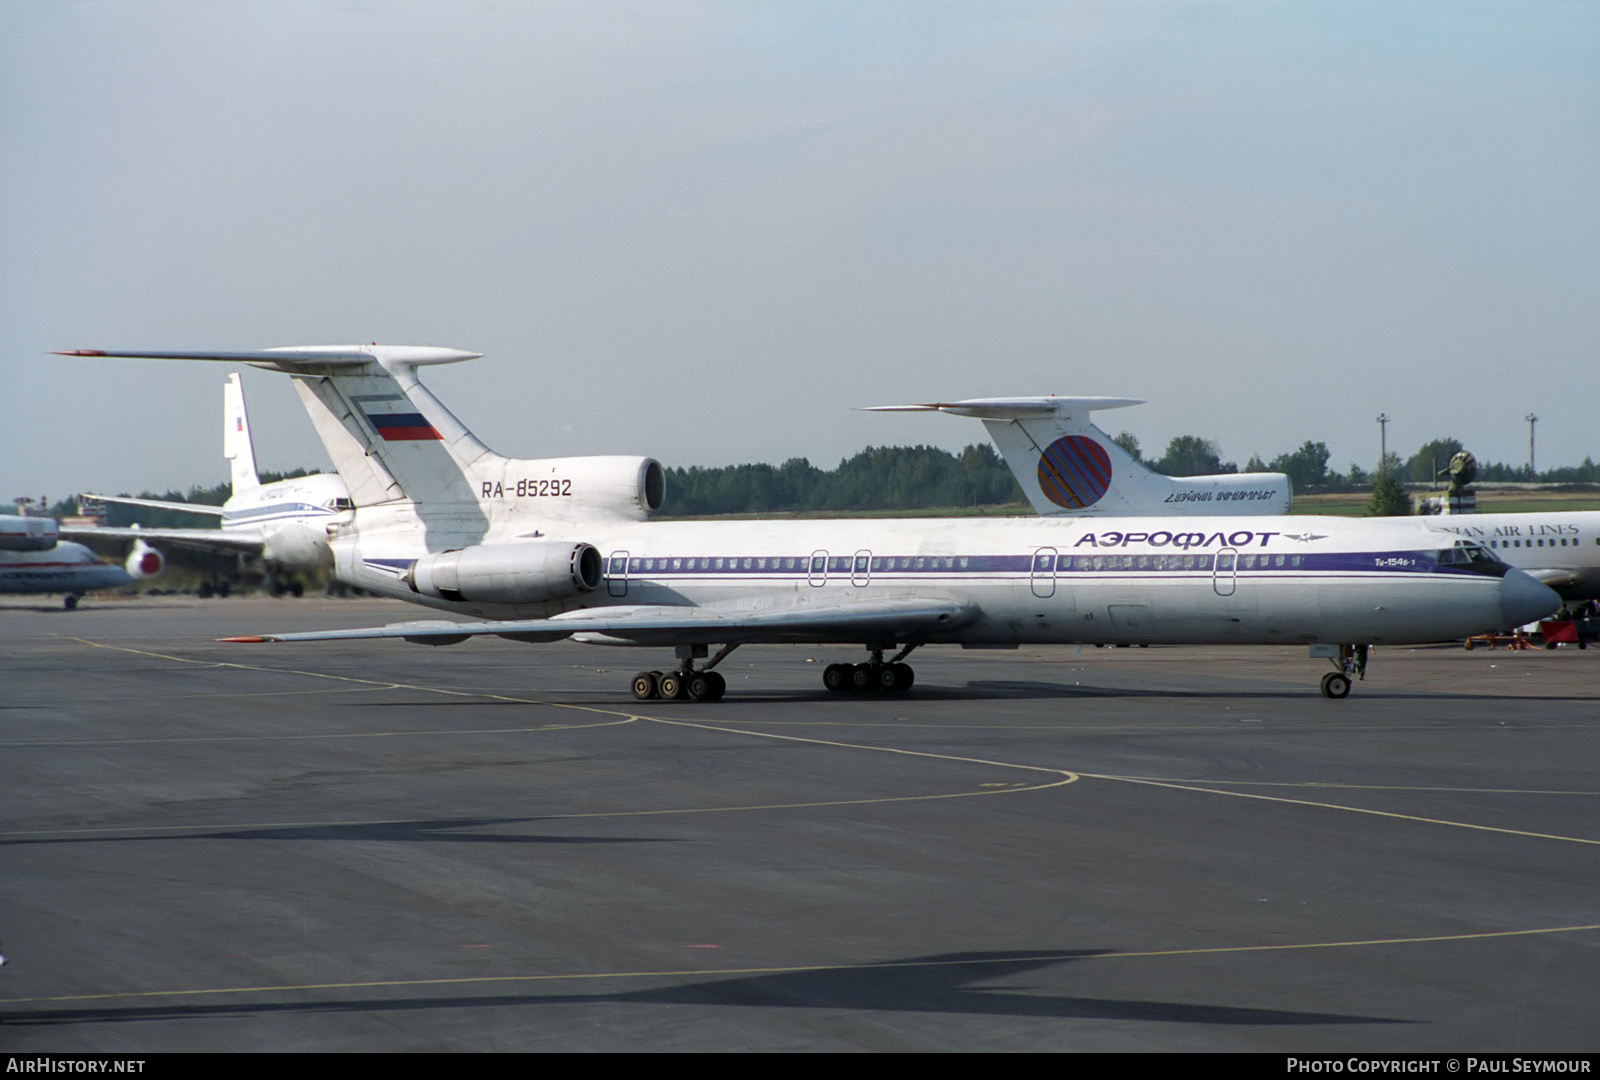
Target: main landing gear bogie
x=874 y=676
x=679 y=686
x=895 y=678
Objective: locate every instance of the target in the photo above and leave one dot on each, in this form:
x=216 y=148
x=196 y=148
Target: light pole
x=1383 y=444
x=1533 y=472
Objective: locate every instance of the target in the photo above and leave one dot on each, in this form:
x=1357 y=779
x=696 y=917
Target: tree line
x=878 y=478
x=890 y=478
x=1307 y=467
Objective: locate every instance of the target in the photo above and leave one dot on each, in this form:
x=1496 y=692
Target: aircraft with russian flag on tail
x=544 y=549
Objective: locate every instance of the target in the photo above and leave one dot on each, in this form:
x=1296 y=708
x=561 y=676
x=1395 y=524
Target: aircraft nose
x=1524 y=598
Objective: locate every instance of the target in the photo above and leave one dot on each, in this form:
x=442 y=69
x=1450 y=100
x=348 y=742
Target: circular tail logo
x=1074 y=472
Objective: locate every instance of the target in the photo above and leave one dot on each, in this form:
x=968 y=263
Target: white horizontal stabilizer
x=292 y=358
x=1013 y=408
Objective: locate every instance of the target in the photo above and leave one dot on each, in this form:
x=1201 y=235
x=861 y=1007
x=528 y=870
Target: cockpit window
x=1471 y=555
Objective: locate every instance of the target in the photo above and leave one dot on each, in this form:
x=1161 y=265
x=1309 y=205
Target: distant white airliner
x=33 y=559
x=1560 y=548
x=1066 y=465
x=284 y=523
x=545 y=549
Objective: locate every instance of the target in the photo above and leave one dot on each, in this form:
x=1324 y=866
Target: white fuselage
x=66 y=568
x=291 y=517
x=1130 y=580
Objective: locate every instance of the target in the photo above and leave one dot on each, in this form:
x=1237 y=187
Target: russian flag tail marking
x=402 y=427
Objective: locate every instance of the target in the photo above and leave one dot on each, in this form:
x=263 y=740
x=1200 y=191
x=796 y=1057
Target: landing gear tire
x=70 y=603
x=674 y=687
x=904 y=676
x=646 y=686
x=1335 y=685
x=705 y=686
x=836 y=677
x=861 y=677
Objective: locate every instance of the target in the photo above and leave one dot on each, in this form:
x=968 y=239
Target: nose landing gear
x=1350 y=662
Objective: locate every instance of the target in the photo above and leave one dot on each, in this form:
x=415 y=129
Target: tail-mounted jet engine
x=519 y=573
x=575 y=488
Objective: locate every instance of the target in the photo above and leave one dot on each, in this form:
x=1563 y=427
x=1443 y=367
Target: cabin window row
x=1554 y=542
x=1040 y=563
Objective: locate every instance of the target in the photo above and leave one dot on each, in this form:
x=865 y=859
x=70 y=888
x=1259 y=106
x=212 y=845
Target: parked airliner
x=1560 y=548
x=34 y=559
x=546 y=549
x=283 y=523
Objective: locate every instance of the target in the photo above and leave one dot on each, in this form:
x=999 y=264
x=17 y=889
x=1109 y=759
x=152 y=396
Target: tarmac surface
x=491 y=846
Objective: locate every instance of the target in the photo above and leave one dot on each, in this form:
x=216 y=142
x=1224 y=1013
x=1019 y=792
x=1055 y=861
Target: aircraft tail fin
x=370 y=406
x=392 y=441
x=389 y=437
x=1066 y=465
x=236 y=444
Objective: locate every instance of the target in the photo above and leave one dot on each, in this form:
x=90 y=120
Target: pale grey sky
x=708 y=231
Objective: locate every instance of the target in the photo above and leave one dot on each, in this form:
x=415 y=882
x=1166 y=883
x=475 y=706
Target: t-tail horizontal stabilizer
x=1066 y=465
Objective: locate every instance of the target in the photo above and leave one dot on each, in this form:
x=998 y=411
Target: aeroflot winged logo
x=384 y=413
x=1074 y=472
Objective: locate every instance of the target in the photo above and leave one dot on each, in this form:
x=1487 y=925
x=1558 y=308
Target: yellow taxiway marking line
x=1342 y=786
x=701 y=973
x=1347 y=809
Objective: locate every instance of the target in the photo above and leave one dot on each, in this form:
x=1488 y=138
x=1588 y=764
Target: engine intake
x=516 y=573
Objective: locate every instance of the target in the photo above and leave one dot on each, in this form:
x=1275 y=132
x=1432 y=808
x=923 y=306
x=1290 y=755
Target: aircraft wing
x=235 y=540
x=896 y=621
x=159 y=504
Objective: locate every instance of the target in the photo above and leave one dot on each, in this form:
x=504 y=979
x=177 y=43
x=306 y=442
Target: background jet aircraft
x=1066 y=465
x=544 y=549
x=33 y=559
x=1561 y=549
x=283 y=523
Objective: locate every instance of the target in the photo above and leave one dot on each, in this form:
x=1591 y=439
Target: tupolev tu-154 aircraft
x=284 y=522
x=545 y=549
